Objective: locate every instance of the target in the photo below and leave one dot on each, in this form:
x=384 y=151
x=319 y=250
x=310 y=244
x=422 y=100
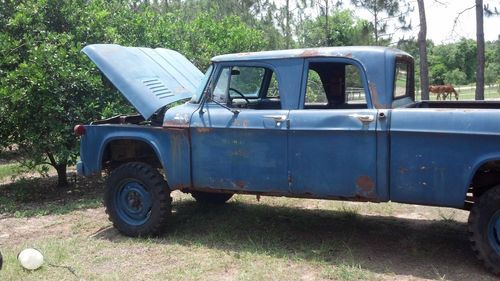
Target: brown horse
x=443 y=91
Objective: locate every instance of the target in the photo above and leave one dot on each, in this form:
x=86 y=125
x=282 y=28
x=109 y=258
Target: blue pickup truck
x=335 y=123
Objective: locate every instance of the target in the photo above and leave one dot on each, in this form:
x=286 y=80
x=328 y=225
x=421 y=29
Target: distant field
x=468 y=93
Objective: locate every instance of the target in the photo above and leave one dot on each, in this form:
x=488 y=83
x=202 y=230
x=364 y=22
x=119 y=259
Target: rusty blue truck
x=337 y=123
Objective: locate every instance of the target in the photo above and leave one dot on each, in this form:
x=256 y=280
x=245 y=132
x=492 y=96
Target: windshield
x=199 y=90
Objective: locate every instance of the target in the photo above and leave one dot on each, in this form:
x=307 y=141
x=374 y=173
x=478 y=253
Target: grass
x=274 y=239
x=468 y=93
x=489 y=93
x=28 y=197
x=8 y=170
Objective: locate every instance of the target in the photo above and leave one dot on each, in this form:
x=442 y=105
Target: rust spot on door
x=240 y=184
x=203 y=130
x=366 y=184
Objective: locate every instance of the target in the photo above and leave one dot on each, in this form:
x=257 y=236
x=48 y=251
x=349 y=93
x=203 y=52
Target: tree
x=422 y=48
x=384 y=12
x=343 y=27
x=492 y=74
x=480 y=51
x=455 y=77
x=47 y=85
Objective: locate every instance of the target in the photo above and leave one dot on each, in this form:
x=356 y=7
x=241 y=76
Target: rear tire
x=484 y=229
x=137 y=200
x=209 y=198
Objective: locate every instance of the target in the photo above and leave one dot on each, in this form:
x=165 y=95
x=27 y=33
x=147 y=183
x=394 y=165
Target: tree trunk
x=480 y=51
x=375 y=21
x=327 y=26
x=287 y=26
x=422 y=49
x=62 y=178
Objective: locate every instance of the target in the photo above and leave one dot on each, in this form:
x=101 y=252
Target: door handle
x=363 y=118
x=277 y=118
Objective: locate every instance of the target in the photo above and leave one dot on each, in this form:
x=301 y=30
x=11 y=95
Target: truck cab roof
x=347 y=51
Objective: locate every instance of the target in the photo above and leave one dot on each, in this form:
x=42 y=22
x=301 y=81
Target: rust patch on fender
x=174 y=124
x=203 y=130
x=403 y=170
x=367 y=186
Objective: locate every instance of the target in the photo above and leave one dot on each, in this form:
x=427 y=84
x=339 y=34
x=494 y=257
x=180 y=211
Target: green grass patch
x=274 y=239
x=470 y=93
x=8 y=170
x=347 y=272
x=53 y=208
x=41 y=196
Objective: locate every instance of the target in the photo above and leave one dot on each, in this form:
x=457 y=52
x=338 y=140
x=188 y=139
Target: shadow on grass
x=421 y=248
x=27 y=197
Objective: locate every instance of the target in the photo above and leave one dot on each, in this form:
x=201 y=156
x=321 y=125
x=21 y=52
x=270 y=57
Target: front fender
x=171 y=145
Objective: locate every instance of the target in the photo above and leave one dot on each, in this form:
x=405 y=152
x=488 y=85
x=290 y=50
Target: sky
x=440 y=20
x=440 y=16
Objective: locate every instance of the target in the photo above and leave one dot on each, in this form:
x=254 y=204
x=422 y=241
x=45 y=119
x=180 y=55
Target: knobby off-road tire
x=484 y=229
x=137 y=200
x=209 y=198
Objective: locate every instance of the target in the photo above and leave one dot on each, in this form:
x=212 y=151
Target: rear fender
x=490 y=157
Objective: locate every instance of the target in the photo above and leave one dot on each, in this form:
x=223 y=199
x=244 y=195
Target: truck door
x=332 y=141
x=239 y=137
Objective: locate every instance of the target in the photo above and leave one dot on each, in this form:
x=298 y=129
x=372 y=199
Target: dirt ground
x=274 y=239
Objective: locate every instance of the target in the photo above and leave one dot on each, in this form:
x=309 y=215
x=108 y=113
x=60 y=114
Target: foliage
x=443 y=59
x=455 y=77
x=383 y=13
x=48 y=85
x=344 y=29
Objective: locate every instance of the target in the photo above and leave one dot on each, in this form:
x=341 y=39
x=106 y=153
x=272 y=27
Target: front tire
x=484 y=229
x=210 y=198
x=137 y=200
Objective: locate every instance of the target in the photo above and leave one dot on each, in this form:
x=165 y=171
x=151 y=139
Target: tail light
x=79 y=130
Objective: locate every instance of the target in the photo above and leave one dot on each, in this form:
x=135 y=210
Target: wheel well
x=486 y=177
x=122 y=151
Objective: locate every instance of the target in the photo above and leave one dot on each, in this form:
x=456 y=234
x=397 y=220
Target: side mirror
x=207 y=94
x=235 y=71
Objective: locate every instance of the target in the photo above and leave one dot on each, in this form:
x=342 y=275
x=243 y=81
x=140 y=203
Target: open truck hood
x=148 y=78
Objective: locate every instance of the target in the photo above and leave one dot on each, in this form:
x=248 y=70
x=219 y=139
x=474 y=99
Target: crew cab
x=336 y=123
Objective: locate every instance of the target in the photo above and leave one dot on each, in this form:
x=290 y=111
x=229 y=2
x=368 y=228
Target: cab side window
x=247 y=87
x=401 y=88
x=334 y=85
